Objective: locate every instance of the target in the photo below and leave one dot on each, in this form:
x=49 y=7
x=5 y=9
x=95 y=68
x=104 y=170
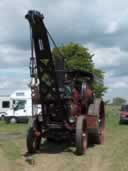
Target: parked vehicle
x=124 y=114
x=21 y=108
x=5 y=104
x=69 y=109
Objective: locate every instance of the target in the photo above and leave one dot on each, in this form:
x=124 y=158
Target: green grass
x=116 y=146
x=11 y=149
x=10 y=135
x=12 y=128
x=112 y=156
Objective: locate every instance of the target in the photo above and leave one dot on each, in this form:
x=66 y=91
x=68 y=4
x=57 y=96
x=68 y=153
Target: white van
x=21 y=108
x=5 y=105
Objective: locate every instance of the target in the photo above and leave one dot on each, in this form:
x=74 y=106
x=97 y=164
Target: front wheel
x=13 y=120
x=33 y=141
x=81 y=135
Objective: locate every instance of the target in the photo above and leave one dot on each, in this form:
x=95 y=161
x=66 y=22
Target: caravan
x=5 y=105
x=21 y=108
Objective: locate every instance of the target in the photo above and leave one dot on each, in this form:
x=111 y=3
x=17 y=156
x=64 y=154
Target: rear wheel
x=99 y=111
x=81 y=135
x=33 y=141
x=2 y=117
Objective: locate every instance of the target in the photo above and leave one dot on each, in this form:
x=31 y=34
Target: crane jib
x=50 y=86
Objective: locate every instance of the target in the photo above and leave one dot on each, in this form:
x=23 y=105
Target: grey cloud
x=117 y=71
x=13 y=57
x=78 y=21
x=67 y=21
x=10 y=84
x=85 y=22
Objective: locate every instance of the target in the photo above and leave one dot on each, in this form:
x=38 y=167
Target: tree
x=118 y=101
x=99 y=88
x=79 y=57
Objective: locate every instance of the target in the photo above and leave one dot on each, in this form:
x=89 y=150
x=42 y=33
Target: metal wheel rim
x=84 y=141
x=84 y=137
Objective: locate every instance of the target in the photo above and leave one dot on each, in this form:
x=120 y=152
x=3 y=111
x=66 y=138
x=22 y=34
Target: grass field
x=112 y=156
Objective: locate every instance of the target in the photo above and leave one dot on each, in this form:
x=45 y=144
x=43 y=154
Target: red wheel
x=101 y=123
x=81 y=135
x=97 y=109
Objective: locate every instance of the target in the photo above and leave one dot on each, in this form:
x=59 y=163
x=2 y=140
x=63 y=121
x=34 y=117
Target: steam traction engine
x=69 y=110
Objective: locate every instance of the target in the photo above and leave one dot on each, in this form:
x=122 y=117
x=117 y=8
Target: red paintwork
x=75 y=106
x=123 y=113
x=91 y=121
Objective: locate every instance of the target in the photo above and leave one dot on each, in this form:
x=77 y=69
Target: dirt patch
x=10 y=136
x=4 y=162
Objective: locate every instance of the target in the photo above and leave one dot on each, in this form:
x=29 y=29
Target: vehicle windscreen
x=124 y=108
x=20 y=104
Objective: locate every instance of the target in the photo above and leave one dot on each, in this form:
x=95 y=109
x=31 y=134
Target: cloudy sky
x=100 y=25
